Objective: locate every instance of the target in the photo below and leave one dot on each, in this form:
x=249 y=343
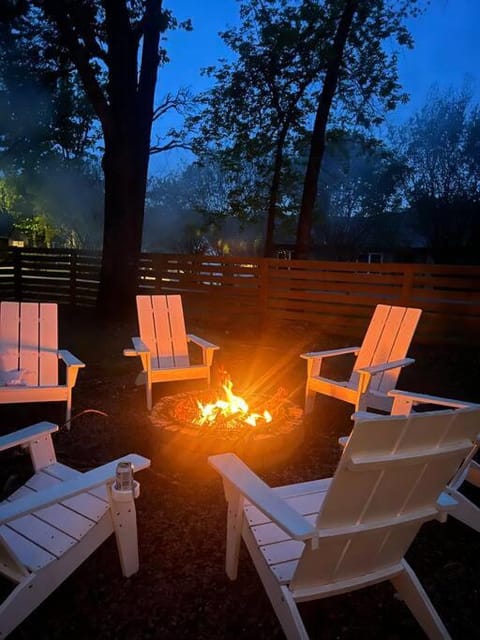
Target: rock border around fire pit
x=267 y=445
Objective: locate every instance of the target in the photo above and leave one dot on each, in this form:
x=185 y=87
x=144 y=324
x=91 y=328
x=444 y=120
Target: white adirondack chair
x=54 y=522
x=465 y=510
x=163 y=344
x=317 y=539
x=377 y=367
x=29 y=356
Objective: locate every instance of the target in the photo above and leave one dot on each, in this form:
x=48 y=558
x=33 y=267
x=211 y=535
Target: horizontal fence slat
x=240 y=289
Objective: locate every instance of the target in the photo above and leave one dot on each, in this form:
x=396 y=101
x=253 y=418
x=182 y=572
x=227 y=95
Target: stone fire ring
x=182 y=440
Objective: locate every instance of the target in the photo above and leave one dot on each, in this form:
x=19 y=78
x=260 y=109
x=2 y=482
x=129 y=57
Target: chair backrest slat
x=29 y=346
x=387 y=339
x=48 y=373
x=9 y=335
x=162 y=328
x=378 y=507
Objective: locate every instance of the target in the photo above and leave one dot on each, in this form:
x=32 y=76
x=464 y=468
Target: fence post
x=263 y=290
x=73 y=277
x=406 y=295
x=17 y=273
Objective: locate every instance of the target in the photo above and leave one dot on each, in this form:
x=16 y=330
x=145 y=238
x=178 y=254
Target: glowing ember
x=231 y=406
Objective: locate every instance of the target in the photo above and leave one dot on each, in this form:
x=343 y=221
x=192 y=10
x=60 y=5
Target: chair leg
x=148 y=389
x=464 y=510
x=290 y=618
x=68 y=415
x=125 y=525
x=19 y=604
x=309 y=400
x=234 y=533
x=280 y=597
x=411 y=591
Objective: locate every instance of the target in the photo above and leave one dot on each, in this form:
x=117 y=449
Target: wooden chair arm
x=386 y=366
x=139 y=347
x=203 y=344
x=59 y=492
x=422 y=398
x=26 y=435
x=330 y=353
x=237 y=474
x=69 y=359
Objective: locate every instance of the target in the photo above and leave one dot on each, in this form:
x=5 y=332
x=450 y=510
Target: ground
x=181 y=590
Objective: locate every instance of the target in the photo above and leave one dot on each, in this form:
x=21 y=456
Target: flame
x=229 y=407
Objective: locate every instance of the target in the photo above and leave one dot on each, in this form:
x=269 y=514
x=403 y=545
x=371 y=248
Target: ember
x=232 y=409
x=229 y=417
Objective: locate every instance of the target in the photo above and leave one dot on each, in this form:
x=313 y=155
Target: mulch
x=181 y=590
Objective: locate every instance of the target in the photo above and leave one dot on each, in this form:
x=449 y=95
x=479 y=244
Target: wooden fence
x=338 y=295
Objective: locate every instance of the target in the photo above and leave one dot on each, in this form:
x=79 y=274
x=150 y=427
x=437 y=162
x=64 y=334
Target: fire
x=231 y=406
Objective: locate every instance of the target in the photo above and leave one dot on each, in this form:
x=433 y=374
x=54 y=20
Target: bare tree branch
x=179 y=102
x=168 y=146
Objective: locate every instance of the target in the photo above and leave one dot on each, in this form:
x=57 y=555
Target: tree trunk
x=125 y=110
x=317 y=145
x=127 y=152
x=125 y=169
x=273 y=196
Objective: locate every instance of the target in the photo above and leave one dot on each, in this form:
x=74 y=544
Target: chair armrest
x=62 y=491
x=138 y=347
x=360 y=416
x=203 y=344
x=26 y=435
x=233 y=470
x=330 y=353
x=386 y=366
x=419 y=398
x=69 y=359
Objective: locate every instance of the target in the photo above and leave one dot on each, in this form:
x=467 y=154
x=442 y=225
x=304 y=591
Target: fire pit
x=198 y=423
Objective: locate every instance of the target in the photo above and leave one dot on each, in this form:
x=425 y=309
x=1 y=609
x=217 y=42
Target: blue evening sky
x=446 y=53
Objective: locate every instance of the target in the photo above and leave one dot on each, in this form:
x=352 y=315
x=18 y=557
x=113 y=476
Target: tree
x=259 y=101
x=441 y=147
x=360 y=75
x=114 y=46
x=61 y=126
x=359 y=190
x=193 y=211
x=60 y=205
x=47 y=153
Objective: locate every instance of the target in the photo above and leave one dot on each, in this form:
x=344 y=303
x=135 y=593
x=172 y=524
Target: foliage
x=441 y=147
x=56 y=207
x=48 y=139
x=114 y=48
x=260 y=101
x=33 y=73
x=190 y=212
x=359 y=76
x=441 y=144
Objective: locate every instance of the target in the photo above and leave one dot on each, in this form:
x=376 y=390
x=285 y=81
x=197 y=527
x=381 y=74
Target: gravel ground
x=181 y=590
